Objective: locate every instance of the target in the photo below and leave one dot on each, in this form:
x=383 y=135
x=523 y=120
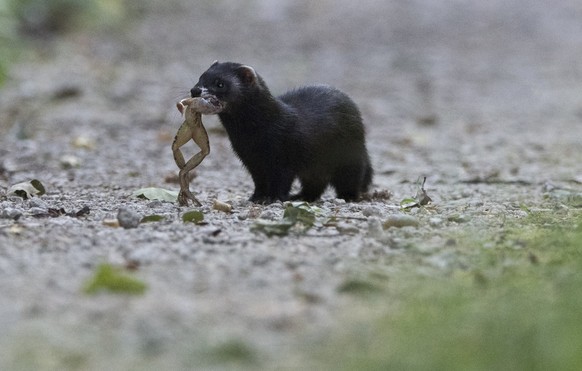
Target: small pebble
x=155 y=204
x=222 y=206
x=400 y=220
x=521 y=213
x=111 y=222
x=458 y=218
x=243 y=215
x=38 y=210
x=347 y=228
x=372 y=211
x=270 y=215
x=435 y=222
x=476 y=203
x=83 y=142
x=10 y=213
x=70 y=161
x=37 y=202
x=14 y=199
x=127 y=218
x=375 y=229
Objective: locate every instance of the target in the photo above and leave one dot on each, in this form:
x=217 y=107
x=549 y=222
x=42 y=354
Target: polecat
x=313 y=133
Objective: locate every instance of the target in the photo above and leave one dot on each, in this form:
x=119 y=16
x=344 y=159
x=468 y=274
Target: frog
x=192 y=129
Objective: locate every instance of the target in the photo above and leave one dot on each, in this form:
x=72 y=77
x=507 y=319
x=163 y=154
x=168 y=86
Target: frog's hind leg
x=182 y=137
x=202 y=142
x=185 y=193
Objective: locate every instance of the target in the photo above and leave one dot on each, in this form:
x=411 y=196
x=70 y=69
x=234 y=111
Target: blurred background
x=443 y=80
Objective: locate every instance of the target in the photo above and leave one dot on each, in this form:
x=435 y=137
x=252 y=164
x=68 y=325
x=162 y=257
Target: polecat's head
x=229 y=82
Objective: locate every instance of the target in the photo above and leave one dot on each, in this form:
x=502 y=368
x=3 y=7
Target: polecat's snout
x=209 y=100
x=195 y=92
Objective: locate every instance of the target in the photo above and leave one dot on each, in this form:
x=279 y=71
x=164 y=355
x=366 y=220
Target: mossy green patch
x=513 y=305
x=111 y=279
x=358 y=287
x=193 y=216
x=233 y=351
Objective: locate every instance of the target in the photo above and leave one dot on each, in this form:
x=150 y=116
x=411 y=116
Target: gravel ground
x=482 y=98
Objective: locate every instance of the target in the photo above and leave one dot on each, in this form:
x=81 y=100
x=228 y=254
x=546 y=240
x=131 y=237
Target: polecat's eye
x=219 y=84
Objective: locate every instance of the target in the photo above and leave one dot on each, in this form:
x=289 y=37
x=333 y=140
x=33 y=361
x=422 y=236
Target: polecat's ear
x=247 y=74
x=214 y=63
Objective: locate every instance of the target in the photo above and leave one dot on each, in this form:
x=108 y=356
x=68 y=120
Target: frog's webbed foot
x=186 y=195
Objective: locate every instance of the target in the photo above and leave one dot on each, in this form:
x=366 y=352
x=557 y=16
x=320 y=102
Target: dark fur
x=313 y=133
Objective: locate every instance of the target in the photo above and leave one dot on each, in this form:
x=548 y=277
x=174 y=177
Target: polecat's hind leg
x=348 y=181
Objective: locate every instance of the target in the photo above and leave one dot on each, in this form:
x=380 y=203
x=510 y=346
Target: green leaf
x=272 y=228
x=159 y=194
x=151 y=218
x=27 y=190
x=306 y=206
x=421 y=198
x=111 y=279
x=193 y=216
x=38 y=186
x=408 y=203
x=300 y=213
x=295 y=213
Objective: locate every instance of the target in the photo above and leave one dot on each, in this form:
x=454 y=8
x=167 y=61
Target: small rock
x=435 y=222
x=37 y=202
x=128 y=218
x=11 y=213
x=270 y=215
x=427 y=120
x=111 y=222
x=70 y=161
x=222 y=206
x=15 y=229
x=14 y=199
x=458 y=218
x=414 y=211
x=372 y=211
x=346 y=228
x=155 y=204
x=68 y=90
x=38 y=210
x=476 y=203
x=521 y=213
x=243 y=215
x=83 y=142
x=375 y=229
x=400 y=220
